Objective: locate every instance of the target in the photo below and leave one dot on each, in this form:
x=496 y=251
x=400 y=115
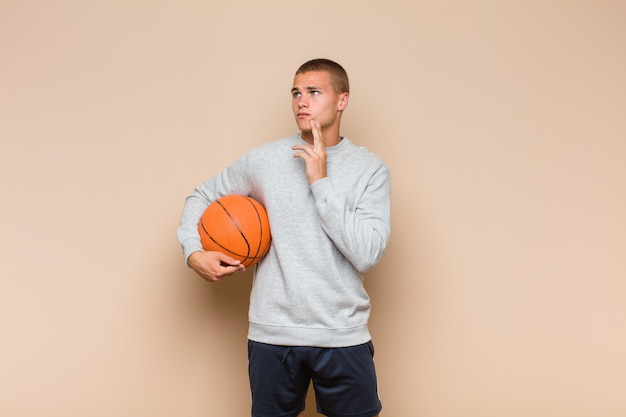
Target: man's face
x=314 y=98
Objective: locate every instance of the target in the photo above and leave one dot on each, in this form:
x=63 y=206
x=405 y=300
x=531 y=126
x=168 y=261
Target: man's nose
x=302 y=103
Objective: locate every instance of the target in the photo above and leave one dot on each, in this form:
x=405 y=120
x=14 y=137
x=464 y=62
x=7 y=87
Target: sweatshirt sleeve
x=359 y=229
x=232 y=180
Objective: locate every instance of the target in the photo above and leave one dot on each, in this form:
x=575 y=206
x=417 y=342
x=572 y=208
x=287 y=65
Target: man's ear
x=343 y=101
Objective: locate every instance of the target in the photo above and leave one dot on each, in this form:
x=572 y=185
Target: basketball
x=237 y=226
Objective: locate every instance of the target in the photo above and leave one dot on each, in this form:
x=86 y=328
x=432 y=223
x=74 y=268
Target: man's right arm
x=214 y=266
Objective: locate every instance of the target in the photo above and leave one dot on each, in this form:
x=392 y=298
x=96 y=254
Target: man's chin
x=303 y=126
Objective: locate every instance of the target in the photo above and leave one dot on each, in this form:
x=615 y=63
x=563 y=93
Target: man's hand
x=314 y=155
x=214 y=266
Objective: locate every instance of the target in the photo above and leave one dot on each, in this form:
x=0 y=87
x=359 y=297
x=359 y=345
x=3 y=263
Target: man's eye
x=296 y=94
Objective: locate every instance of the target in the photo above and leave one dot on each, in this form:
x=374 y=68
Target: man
x=328 y=203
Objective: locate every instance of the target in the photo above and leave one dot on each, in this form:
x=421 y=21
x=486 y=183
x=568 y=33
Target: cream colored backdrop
x=503 y=292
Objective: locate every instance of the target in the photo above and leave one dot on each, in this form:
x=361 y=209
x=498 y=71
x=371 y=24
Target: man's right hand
x=214 y=266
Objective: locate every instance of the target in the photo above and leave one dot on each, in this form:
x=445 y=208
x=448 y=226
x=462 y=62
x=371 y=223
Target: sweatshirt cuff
x=190 y=247
x=321 y=189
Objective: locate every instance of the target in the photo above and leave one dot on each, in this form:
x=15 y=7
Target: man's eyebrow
x=309 y=88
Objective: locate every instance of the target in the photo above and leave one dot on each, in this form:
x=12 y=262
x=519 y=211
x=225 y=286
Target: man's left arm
x=360 y=229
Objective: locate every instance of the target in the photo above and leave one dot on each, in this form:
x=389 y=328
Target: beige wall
x=503 y=292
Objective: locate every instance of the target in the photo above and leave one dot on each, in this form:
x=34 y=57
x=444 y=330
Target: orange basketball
x=237 y=226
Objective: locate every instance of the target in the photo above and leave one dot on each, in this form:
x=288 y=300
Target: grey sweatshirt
x=308 y=290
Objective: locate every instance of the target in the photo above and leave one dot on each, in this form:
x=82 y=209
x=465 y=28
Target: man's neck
x=331 y=138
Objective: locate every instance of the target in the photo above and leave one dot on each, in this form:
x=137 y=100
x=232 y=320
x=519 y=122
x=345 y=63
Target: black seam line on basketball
x=259 y=222
x=225 y=250
x=232 y=219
